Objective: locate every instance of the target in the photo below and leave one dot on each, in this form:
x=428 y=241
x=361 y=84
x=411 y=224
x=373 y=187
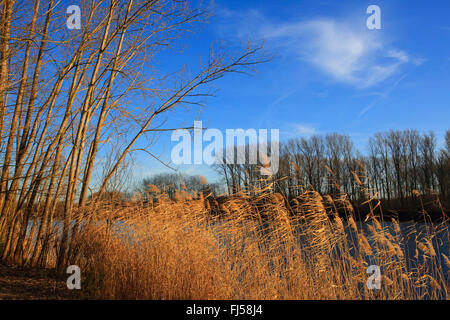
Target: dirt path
x=27 y=284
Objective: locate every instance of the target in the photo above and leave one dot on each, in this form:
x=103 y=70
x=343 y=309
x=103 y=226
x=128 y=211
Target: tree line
x=397 y=166
x=174 y=183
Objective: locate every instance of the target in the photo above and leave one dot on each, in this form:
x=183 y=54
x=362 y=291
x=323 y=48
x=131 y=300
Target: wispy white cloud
x=344 y=52
x=300 y=130
x=381 y=96
x=348 y=55
x=305 y=130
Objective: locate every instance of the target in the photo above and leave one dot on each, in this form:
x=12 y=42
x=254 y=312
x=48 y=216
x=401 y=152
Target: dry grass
x=177 y=250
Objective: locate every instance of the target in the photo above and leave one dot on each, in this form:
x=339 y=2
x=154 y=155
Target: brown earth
x=33 y=284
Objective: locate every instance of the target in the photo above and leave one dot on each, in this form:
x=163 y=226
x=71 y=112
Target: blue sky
x=330 y=73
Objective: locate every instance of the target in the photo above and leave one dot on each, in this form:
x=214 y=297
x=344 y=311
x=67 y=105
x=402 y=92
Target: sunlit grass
x=259 y=249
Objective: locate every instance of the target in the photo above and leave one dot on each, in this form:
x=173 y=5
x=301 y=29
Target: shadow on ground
x=30 y=284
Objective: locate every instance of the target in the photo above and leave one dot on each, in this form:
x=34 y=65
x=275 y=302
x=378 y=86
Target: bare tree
x=55 y=121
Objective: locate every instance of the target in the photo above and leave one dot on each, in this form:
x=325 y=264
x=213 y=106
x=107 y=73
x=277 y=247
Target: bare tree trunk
x=9 y=204
x=7 y=7
x=78 y=148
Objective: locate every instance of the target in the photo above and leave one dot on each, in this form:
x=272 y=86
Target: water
x=411 y=234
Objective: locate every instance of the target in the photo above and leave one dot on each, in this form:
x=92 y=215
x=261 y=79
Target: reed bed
x=259 y=248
